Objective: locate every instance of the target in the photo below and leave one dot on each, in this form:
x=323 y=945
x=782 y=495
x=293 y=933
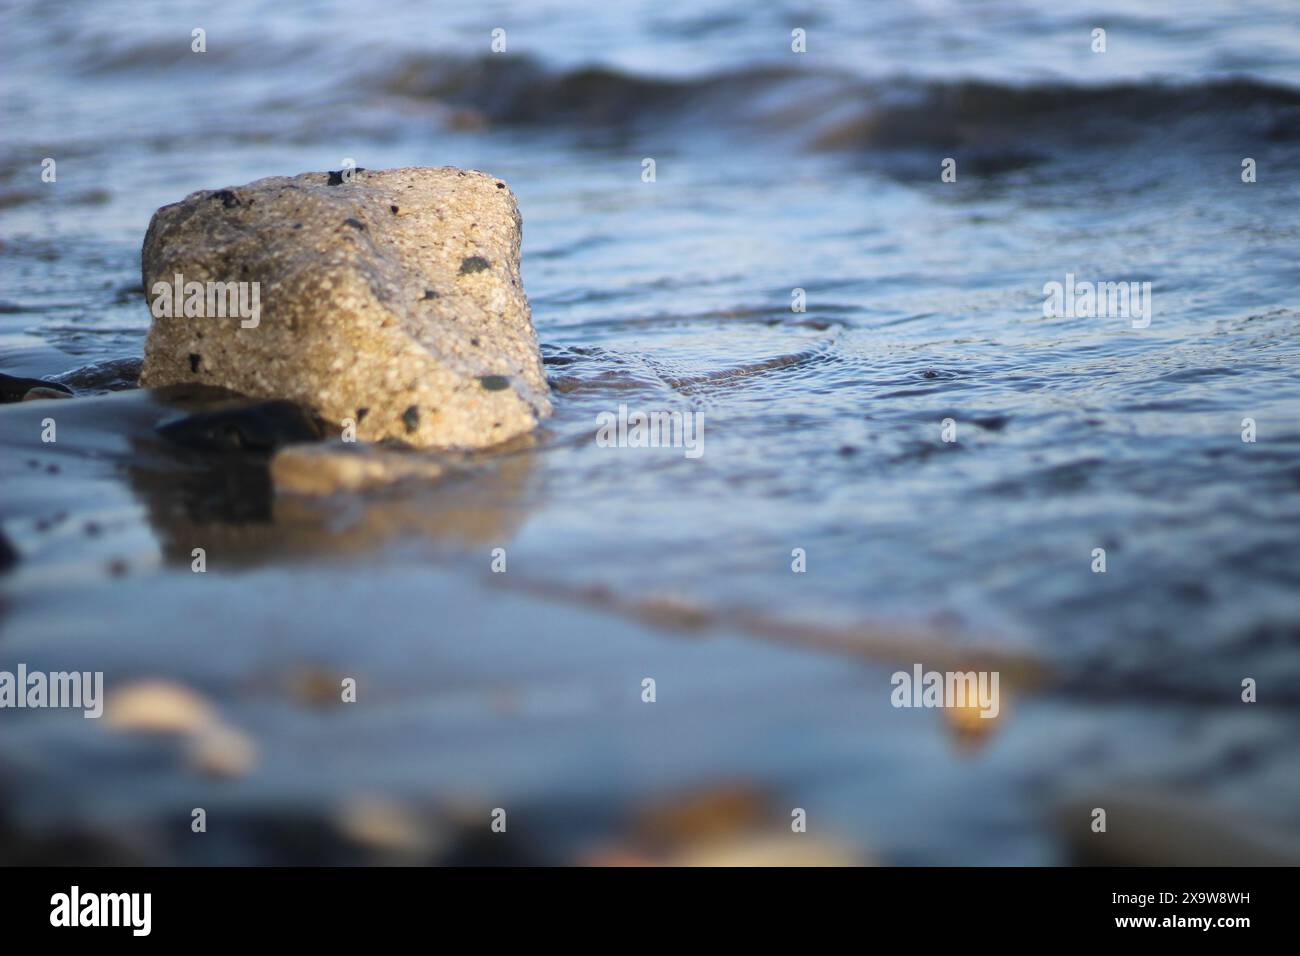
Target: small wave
x=1013 y=125
x=996 y=126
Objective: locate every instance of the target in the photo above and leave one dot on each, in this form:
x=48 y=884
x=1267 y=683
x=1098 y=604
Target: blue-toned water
x=775 y=171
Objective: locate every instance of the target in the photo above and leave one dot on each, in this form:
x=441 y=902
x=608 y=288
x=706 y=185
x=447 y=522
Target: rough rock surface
x=391 y=298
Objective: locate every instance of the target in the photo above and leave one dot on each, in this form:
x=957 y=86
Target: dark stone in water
x=111 y=375
x=128 y=294
x=42 y=392
x=992 y=423
x=261 y=427
x=12 y=388
x=8 y=554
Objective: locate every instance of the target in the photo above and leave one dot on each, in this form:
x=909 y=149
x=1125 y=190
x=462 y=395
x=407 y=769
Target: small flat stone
x=44 y=392
x=348 y=467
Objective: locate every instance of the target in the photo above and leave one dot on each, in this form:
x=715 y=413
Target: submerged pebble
x=16 y=389
x=259 y=427
x=344 y=466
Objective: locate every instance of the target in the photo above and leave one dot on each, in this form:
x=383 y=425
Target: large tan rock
x=391 y=298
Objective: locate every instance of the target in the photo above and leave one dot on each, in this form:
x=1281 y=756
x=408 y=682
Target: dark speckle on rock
x=430 y=294
x=474 y=264
x=394 y=210
x=494 y=383
x=362 y=413
x=336 y=175
x=474 y=342
x=411 y=418
x=501 y=185
x=354 y=223
x=195 y=359
x=227 y=197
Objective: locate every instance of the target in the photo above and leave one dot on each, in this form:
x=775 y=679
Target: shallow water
x=774 y=171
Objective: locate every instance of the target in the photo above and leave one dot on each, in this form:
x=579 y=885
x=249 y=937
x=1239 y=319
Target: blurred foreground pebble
x=163 y=707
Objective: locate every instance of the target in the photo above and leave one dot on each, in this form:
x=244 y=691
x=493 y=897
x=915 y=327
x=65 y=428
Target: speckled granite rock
x=392 y=298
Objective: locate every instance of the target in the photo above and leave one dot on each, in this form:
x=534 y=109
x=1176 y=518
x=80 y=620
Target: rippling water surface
x=775 y=171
